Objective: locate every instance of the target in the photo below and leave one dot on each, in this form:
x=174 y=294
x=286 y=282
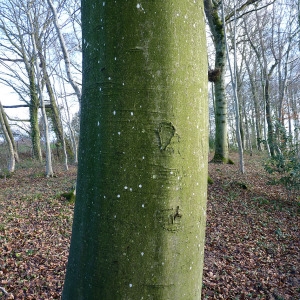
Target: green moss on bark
x=139 y=218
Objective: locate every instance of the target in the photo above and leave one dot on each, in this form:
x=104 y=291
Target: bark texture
x=140 y=211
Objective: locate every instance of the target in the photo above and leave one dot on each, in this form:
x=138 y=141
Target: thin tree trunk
x=9 y=132
x=11 y=160
x=71 y=131
x=34 y=33
x=249 y=141
x=54 y=112
x=256 y=107
x=271 y=138
x=233 y=76
x=33 y=113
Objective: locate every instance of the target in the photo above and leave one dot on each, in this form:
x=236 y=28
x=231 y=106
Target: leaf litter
x=252 y=235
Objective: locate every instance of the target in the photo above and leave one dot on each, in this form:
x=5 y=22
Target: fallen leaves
x=252 y=237
x=35 y=227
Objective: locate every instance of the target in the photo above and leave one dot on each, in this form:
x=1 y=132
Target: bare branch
x=10 y=59
x=229 y=16
x=23 y=105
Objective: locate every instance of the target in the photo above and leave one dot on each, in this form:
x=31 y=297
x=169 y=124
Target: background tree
x=7 y=137
x=234 y=83
x=140 y=205
x=18 y=62
x=217 y=75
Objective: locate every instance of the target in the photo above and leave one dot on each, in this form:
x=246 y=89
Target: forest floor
x=252 y=246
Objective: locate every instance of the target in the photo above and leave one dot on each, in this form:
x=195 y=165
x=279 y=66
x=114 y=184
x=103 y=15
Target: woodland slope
x=252 y=236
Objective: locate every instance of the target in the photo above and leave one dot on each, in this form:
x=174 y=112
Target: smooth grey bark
x=10 y=134
x=139 y=219
x=256 y=106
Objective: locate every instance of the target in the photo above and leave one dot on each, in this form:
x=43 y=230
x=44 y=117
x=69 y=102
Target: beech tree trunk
x=7 y=137
x=139 y=219
x=34 y=38
x=33 y=115
x=53 y=112
x=217 y=30
x=10 y=134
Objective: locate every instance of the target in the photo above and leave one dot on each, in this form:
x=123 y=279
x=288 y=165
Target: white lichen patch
x=140 y=8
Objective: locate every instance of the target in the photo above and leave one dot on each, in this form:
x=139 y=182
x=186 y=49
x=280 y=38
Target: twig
x=7 y=295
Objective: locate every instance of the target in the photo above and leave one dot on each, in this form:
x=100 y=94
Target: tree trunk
x=271 y=138
x=256 y=106
x=53 y=113
x=216 y=27
x=10 y=134
x=33 y=115
x=11 y=162
x=38 y=80
x=234 y=83
x=139 y=219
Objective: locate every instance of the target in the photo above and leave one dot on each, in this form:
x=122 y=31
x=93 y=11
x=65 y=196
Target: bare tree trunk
x=34 y=33
x=221 y=122
x=271 y=137
x=33 y=112
x=234 y=87
x=54 y=112
x=256 y=107
x=10 y=133
x=11 y=161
